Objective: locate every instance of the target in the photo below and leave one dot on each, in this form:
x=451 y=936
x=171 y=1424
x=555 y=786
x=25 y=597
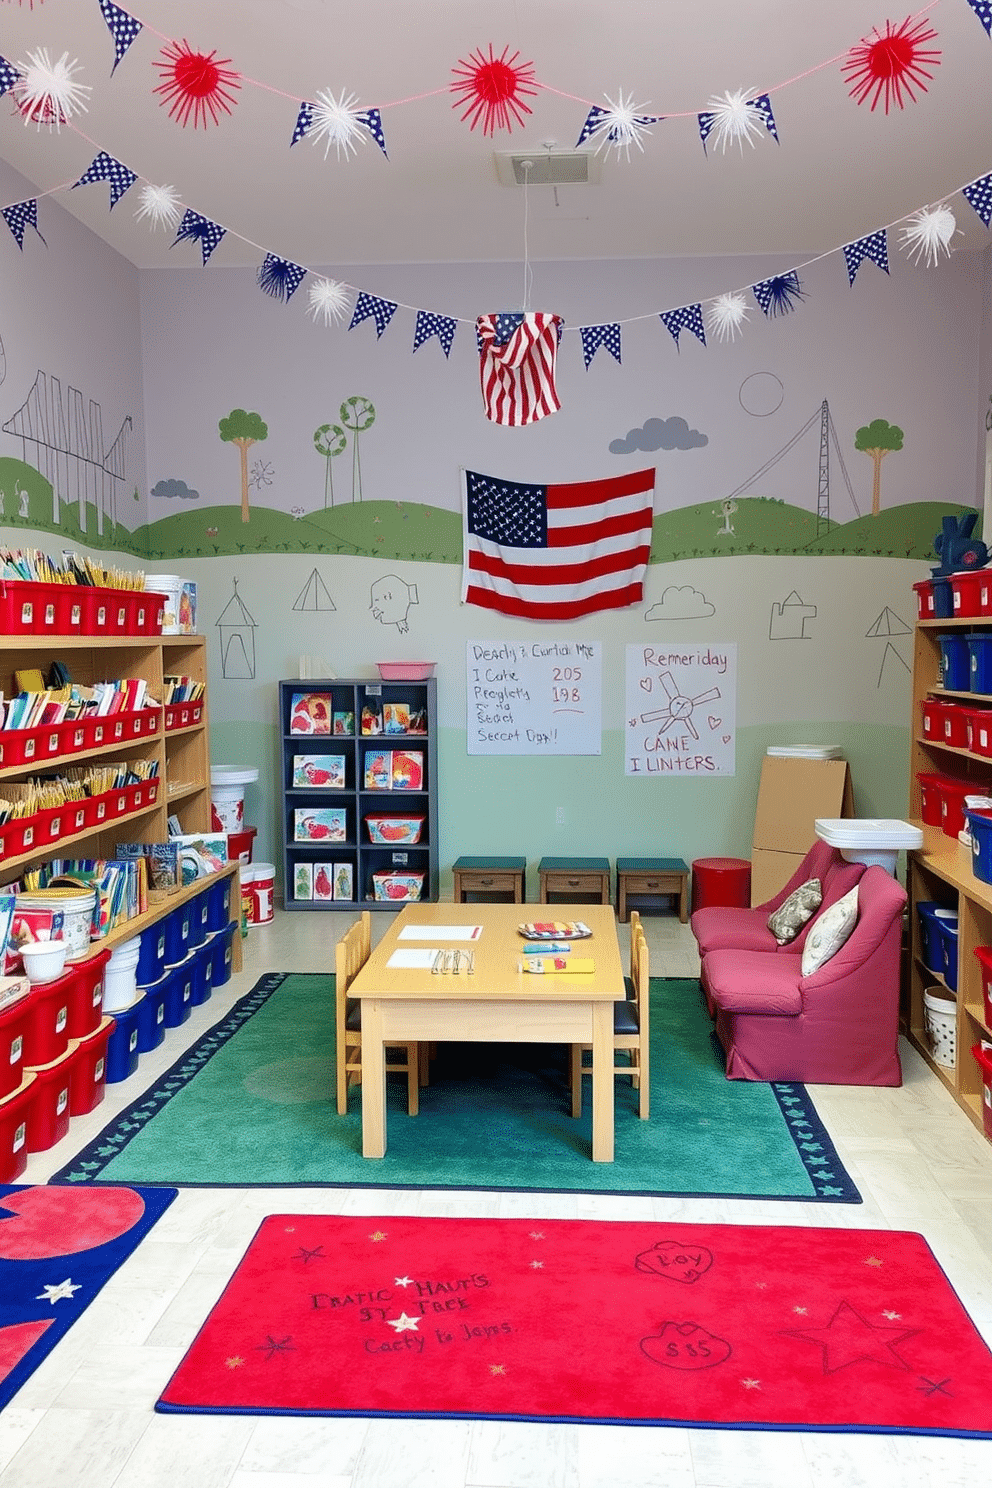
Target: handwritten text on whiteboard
x=533 y=697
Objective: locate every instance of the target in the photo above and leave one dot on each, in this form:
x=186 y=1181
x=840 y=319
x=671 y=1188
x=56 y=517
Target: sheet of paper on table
x=417 y=958
x=440 y=932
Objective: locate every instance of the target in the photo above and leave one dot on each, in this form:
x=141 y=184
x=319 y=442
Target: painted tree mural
x=243 y=430
x=357 y=414
x=877 y=439
x=329 y=440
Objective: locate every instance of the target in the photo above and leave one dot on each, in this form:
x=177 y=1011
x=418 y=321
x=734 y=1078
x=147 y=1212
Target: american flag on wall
x=556 y=552
x=517 y=353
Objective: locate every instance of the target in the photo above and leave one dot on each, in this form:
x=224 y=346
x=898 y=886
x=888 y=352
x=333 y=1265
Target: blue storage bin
x=199 y=927
x=178 y=993
x=122 y=1046
x=177 y=932
x=203 y=974
x=151 y=954
x=221 y=951
x=943 y=599
x=151 y=1016
x=980 y=664
x=931 y=940
x=949 y=961
x=955 y=663
x=219 y=907
x=981 y=846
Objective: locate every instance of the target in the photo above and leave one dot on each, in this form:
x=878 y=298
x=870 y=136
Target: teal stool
x=650 y=878
x=574 y=876
x=493 y=877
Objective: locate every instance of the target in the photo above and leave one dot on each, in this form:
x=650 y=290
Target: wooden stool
x=572 y=876
x=489 y=876
x=651 y=877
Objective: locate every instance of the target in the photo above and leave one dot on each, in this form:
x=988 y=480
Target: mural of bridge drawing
x=65 y=440
x=820 y=417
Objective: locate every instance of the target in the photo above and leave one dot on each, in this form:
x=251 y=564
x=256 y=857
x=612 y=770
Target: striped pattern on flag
x=556 y=552
x=517 y=354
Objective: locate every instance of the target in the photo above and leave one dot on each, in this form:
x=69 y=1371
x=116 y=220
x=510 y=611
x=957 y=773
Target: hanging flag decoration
x=123 y=28
x=620 y=126
x=780 y=294
x=593 y=337
x=161 y=204
x=105 y=168
x=517 y=355
x=983 y=10
x=372 y=307
x=733 y=118
x=492 y=89
x=978 y=194
x=372 y=120
x=685 y=318
x=195 y=84
x=429 y=324
x=887 y=66
x=195 y=228
x=20 y=215
x=928 y=233
x=47 y=92
x=725 y=315
x=304 y=119
x=9 y=76
x=874 y=246
x=547 y=552
x=328 y=300
x=280 y=277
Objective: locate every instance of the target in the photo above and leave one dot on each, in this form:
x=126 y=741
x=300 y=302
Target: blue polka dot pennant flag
x=195 y=228
x=596 y=122
x=280 y=277
x=371 y=307
x=304 y=119
x=8 y=76
x=429 y=324
x=874 y=246
x=780 y=294
x=105 y=168
x=685 y=318
x=20 y=215
x=762 y=103
x=593 y=337
x=983 y=10
x=372 y=120
x=123 y=28
x=979 y=195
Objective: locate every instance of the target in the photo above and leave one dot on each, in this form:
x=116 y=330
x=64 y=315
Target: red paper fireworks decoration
x=492 y=89
x=195 y=83
x=889 y=66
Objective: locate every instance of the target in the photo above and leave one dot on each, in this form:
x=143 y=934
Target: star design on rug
x=751 y=1384
x=873 y=1261
x=376 y=1236
x=306 y=1256
x=893 y=1317
x=290 y=1230
x=403 y=1281
x=801 y=1310
x=60 y=1293
x=404 y=1324
x=934 y=1387
x=234 y=1362
x=536 y=1235
x=497 y=1369
x=849 y=1338
x=537 y=1265
x=273 y=1346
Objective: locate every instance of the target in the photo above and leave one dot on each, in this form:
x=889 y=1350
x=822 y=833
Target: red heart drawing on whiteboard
x=714 y=723
x=646 y=684
x=726 y=738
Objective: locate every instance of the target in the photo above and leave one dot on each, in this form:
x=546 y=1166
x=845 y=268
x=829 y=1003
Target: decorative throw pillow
x=830 y=931
x=786 y=922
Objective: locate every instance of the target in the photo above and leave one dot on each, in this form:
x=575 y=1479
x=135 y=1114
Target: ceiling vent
x=547 y=168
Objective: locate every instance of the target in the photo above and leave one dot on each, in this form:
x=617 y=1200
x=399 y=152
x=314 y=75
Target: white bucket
x=77 y=914
x=247 y=872
x=120 y=987
x=227 y=797
x=263 y=890
x=940 y=1017
x=170 y=586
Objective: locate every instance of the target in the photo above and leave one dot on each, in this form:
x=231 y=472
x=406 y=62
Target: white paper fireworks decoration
x=47 y=92
x=161 y=205
x=928 y=233
x=328 y=300
x=622 y=125
x=725 y=316
x=735 y=119
x=335 y=122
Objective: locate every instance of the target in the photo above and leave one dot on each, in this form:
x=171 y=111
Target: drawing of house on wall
x=66 y=445
x=237 y=638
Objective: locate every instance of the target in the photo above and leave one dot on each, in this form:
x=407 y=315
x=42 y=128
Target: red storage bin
x=983 y=1059
x=33 y=609
x=15 y=1110
x=721 y=881
x=955 y=725
x=89 y=1074
x=924 y=599
x=932 y=710
x=48 y=1117
x=85 y=994
x=984 y=954
x=952 y=794
x=47 y=1034
x=14 y=1019
x=968 y=591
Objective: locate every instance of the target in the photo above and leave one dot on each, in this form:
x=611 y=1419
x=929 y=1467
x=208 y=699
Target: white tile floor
x=85 y=1416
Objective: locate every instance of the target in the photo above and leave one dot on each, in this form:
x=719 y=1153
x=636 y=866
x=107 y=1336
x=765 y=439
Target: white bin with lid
x=869 y=840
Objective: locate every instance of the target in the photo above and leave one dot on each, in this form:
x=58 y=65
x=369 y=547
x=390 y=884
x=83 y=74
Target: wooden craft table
x=496 y=1003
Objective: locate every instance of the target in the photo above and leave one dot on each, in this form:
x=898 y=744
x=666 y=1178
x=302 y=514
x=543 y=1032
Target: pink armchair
x=840 y=1025
x=726 y=927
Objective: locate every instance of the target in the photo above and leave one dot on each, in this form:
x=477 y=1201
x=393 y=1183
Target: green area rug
x=252 y=1104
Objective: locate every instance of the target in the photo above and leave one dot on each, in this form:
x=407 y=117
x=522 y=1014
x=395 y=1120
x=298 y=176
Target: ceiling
x=839 y=171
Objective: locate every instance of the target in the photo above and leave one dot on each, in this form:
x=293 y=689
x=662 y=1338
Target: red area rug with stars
x=654 y=1324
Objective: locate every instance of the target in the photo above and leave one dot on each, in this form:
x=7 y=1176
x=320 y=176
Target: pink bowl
x=406 y=671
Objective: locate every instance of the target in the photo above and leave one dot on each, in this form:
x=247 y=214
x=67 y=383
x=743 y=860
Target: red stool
x=721 y=881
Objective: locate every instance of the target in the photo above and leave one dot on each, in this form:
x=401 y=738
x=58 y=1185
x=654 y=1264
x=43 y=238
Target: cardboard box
x=791 y=795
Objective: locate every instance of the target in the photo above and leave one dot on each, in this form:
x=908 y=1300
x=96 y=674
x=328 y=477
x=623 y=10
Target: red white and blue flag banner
x=979 y=195
x=550 y=552
x=123 y=28
x=874 y=246
x=105 y=168
x=517 y=355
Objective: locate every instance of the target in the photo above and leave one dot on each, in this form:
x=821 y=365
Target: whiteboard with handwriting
x=534 y=697
x=681 y=710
